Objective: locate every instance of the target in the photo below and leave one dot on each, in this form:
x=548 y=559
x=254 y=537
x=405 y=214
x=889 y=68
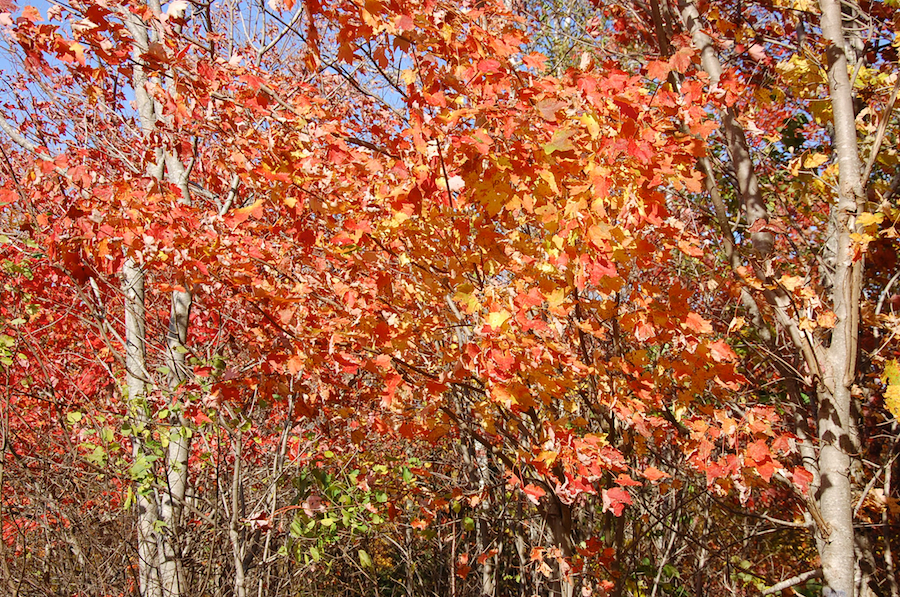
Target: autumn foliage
x=405 y=297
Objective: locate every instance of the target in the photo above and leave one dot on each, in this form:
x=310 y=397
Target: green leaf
x=141 y=465
x=297 y=527
x=364 y=559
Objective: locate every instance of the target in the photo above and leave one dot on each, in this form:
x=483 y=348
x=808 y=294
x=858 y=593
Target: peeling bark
x=836 y=547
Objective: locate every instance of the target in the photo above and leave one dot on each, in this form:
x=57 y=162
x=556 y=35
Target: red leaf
x=681 y=60
x=720 y=351
x=32 y=14
x=766 y=470
x=643 y=331
x=534 y=493
x=535 y=60
x=487 y=555
x=758 y=451
x=489 y=65
x=615 y=499
x=462 y=565
x=802 y=478
x=239 y=216
x=548 y=108
x=295 y=365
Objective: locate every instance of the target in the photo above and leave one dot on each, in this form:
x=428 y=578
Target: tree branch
x=794 y=580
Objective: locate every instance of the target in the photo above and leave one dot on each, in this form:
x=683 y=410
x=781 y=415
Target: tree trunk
x=836 y=542
x=167 y=512
x=135 y=382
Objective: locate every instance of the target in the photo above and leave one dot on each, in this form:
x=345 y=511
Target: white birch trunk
x=836 y=544
x=166 y=566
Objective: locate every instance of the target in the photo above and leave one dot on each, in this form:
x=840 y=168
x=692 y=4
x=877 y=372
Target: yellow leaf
x=790 y=283
x=814 y=160
x=551 y=180
x=556 y=298
x=497 y=318
x=892 y=394
x=736 y=324
x=467 y=296
x=867 y=219
x=892 y=400
x=592 y=125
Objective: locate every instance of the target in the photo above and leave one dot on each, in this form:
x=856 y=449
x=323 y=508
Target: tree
x=382 y=271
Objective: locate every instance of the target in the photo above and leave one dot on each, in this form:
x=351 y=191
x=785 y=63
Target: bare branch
x=793 y=581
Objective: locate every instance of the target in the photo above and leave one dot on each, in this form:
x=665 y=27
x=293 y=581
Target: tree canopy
x=463 y=298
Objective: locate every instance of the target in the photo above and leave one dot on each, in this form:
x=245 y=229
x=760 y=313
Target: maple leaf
x=549 y=107
x=462 y=565
x=534 y=493
x=658 y=69
x=615 y=499
x=722 y=352
x=487 y=556
x=758 y=451
x=561 y=141
x=681 y=60
x=892 y=393
x=697 y=324
x=626 y=481
x=802 y=478
x=496 y=319
x=654 y=474
x=489 y=65
x=239 y=216
x=535 y=60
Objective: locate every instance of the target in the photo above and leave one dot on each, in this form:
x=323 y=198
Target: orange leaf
x=487 y=555
x=627 y=481
x=239 y=216
x=654 y=474
x=697 y=324
x=720 y=351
